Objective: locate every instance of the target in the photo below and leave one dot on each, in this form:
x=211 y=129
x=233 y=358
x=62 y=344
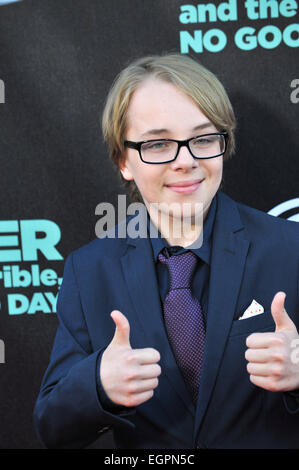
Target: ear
x=125 y=171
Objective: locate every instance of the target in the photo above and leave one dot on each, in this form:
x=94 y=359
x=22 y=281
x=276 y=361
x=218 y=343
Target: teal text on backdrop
x=21 y=241
x=246 y=38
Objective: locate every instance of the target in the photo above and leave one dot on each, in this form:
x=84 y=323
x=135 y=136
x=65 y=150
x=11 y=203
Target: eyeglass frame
x=181 y=143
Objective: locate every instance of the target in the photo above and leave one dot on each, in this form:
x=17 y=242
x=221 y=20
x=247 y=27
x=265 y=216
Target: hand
x=269 y=356
x=129 y=376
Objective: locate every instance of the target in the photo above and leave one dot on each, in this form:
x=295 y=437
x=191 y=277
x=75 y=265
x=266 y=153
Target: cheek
x=149 y=179
x=214 y=168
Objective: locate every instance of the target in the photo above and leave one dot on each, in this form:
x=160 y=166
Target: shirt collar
x=204 y=252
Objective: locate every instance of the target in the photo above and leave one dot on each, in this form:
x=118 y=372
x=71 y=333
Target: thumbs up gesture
x=269 y=355
x=128 y=376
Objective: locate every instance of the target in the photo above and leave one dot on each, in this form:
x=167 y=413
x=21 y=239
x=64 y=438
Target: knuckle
x=154 y=354
x=126 y=376
x=155 y=383
x=130 y=357
x=253 y=338
x=132 y=388
x=277 y=371
x=158 y=356
x=277 y=341
x=125 y=329
x=129 y=375
x=278 y=356
x=247 y=354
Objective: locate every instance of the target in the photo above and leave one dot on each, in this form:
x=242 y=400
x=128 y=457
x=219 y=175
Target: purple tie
x=184 y=318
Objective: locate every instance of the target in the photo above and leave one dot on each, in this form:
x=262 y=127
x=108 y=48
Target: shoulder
x=266 y=227
x=260 y=220
x=110 y=247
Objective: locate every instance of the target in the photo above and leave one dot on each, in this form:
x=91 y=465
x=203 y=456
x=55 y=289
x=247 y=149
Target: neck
x=178 y=230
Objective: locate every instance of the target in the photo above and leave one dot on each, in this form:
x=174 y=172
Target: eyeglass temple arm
x=131 y=145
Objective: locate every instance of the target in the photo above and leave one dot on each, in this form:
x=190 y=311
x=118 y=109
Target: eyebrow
x=162 y=131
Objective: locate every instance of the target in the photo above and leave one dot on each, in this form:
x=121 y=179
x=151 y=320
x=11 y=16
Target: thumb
x=122 y=329
x=279 y=314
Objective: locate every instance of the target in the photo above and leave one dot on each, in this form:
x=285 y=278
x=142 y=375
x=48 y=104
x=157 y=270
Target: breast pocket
x=255 y=324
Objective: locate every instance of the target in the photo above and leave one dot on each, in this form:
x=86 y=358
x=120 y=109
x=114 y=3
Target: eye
x=204 y=140
x=157 y=145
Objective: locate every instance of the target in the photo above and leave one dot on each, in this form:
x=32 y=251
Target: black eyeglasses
x=203 y=146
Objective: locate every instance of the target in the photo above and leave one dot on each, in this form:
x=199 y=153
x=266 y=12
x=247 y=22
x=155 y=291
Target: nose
x=184 y=159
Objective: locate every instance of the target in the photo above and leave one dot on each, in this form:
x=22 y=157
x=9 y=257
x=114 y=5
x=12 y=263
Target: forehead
x=160 y=105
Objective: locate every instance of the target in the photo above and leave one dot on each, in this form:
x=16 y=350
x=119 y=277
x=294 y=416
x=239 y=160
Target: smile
x=185 y=187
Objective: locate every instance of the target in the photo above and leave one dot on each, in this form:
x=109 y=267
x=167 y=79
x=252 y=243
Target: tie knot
x=181 y=268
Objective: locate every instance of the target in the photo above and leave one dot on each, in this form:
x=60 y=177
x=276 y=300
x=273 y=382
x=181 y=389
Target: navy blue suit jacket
x=254 y=255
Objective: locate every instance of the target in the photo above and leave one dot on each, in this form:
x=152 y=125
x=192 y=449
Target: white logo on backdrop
x=5 y=2
x=280 y=209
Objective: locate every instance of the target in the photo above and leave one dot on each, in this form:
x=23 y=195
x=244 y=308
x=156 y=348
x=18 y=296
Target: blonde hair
x=186 y=74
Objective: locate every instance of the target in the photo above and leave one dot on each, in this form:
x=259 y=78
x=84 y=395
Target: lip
x=188 y=186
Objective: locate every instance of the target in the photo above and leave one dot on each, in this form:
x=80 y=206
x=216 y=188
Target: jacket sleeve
x=68 y=412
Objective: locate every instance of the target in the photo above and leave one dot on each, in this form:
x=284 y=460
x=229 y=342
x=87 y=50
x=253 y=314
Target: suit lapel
x=140 y=276
x=227 y=264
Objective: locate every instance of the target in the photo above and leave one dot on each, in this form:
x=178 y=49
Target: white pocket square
x=254 y=309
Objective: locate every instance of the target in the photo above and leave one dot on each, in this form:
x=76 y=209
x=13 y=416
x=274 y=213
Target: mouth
x=185 y=187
